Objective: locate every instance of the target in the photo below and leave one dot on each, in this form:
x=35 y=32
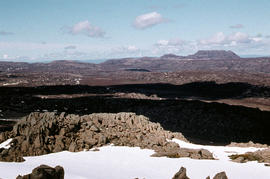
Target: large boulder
x=174 y=152
x=181 y=174
x=45 y=172
x=221 y=175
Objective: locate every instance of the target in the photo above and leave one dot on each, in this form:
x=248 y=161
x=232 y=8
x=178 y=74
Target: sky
x=32 y=30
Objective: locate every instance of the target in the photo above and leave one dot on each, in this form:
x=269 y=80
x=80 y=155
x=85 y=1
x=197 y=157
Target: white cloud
x=5 y=56
x=217 y=38
x=148 y=20
x=241 y=43
x=221 y=39
x=85 y=28
x=237 y=26
x=162 y=42
x=171 y=42
x=132 y=48
x=125 y=49
x=239 y=37
x=175 y=45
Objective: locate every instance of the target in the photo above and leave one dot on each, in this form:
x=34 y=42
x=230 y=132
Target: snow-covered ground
x=128 y=163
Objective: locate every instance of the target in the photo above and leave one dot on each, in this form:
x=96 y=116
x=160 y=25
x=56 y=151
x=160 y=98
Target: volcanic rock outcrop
x=45 y=172
x=43 y=133
x=262 y=156
x=221 y=175
x=181 y=174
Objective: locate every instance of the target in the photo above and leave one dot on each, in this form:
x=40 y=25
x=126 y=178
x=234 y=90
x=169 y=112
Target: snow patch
x=116 y=162
x=219 y=152
x=5 y=144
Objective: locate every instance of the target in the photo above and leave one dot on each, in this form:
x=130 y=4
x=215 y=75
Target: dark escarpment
x=208 y=122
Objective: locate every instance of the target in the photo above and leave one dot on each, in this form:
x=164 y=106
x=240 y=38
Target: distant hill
x=203 y=60
x=170 y=55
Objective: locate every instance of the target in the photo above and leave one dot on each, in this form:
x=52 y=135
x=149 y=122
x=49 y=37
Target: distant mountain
x=203 y=60
x=214 y=55
x=170 y=55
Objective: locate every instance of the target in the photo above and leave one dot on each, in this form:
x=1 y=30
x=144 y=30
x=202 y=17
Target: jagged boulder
x=45 y=172
x=181 y=174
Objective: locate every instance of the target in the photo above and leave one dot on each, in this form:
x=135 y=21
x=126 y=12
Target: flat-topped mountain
x=205 y=55
x=214 y=54
x=203 y=60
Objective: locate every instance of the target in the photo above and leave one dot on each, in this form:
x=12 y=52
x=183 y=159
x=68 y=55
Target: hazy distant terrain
x=219 y=66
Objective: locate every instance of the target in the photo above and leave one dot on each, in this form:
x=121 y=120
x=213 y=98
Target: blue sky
x=32 y=30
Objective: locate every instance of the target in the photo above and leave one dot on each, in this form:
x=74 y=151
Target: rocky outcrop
x=248 y=144
x=45 y=172
x=262 y=156
x=43 y=133
x=221 y=175
x=4 y=136
x=184 y=152
x=181 y=174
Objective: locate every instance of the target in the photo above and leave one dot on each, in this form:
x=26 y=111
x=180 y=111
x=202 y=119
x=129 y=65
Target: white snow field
x=113 y=162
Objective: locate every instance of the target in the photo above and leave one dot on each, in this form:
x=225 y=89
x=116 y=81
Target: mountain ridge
x=203 y=60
